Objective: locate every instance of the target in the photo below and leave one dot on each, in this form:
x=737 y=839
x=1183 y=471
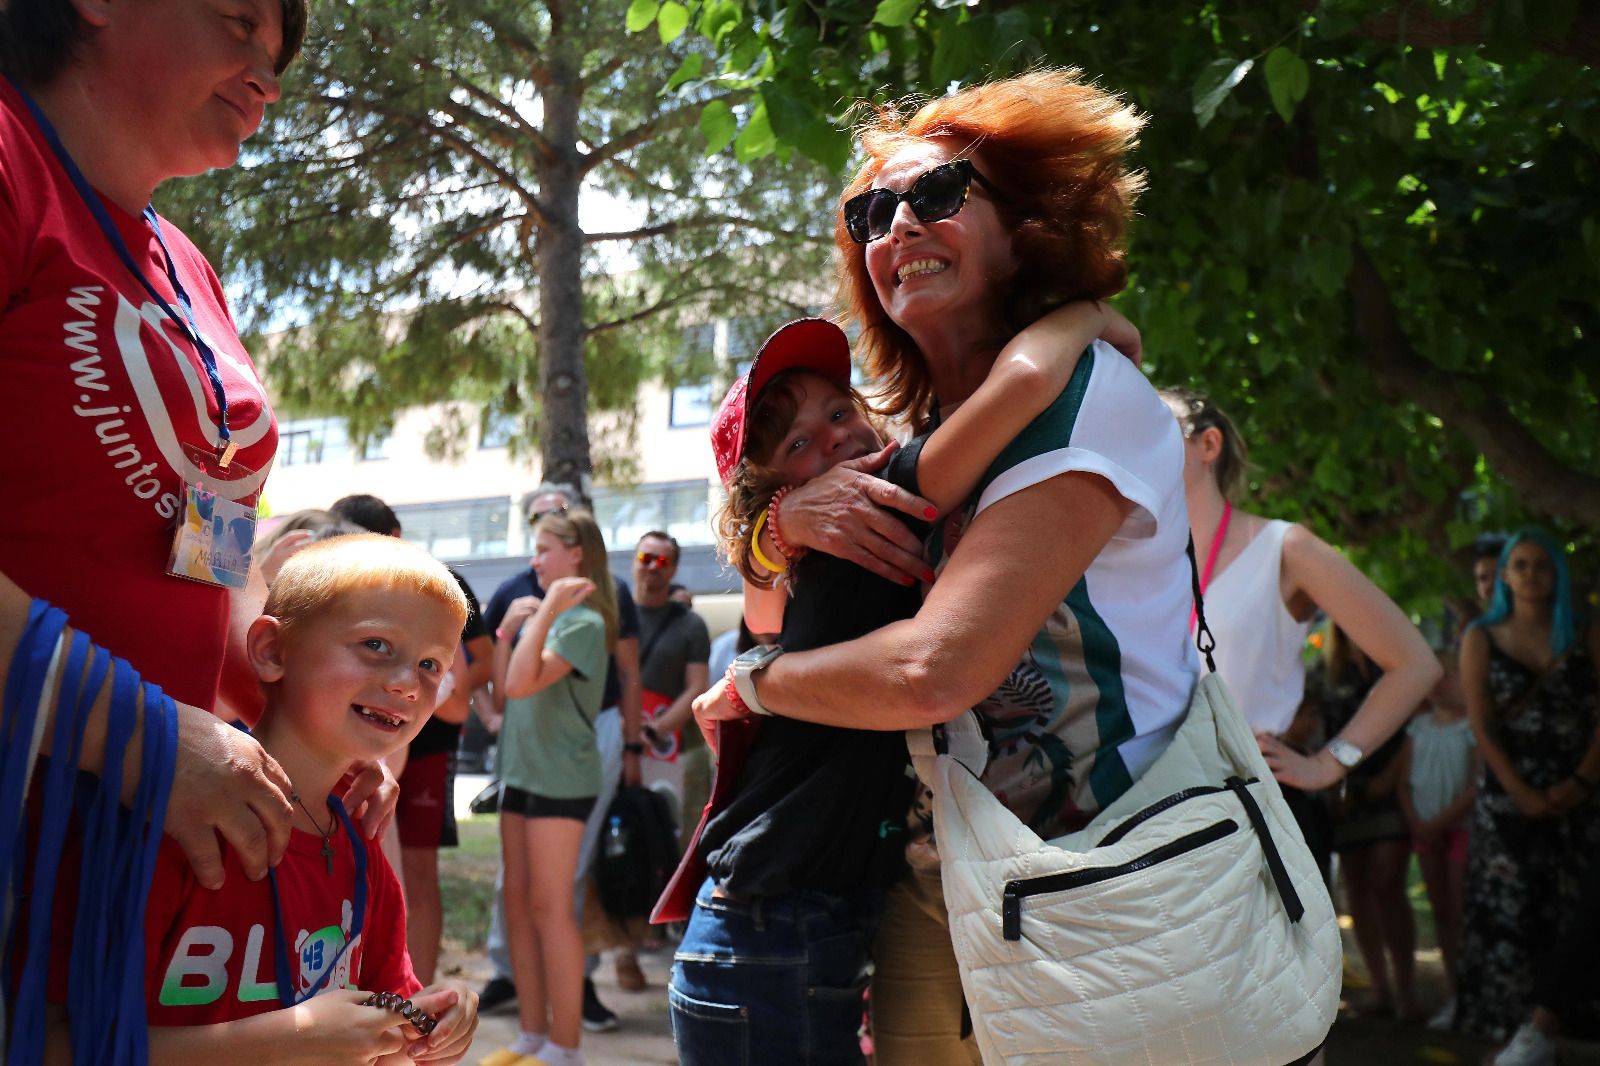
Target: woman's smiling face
x=923 y=272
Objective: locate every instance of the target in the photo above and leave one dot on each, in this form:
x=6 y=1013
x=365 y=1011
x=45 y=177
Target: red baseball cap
x=813 y=344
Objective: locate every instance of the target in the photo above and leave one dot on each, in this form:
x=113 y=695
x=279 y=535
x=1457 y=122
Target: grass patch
x=466 y=881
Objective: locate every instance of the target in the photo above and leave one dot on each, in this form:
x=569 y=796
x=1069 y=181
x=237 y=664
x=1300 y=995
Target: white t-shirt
x=1106 y=681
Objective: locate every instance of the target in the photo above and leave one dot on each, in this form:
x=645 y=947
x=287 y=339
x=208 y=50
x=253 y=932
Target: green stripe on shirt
x=1109 y=777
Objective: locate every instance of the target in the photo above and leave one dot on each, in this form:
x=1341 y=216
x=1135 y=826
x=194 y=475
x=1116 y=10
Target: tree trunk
x=563 y=384
x=1542 y=481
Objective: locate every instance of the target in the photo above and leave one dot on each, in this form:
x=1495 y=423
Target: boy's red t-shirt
x=209 y=955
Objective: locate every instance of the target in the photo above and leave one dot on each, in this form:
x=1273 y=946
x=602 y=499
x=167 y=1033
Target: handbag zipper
x=1163 y=804
x=1017 y=891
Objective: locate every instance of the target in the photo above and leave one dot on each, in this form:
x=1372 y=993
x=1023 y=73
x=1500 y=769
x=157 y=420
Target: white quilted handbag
x=1187 y=924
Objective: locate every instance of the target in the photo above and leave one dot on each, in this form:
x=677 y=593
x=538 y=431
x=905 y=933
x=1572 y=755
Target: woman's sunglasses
x=936 y=195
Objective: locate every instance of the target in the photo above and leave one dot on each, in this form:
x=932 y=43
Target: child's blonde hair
x=316 y=577
x=578 y=529
x=752 y=483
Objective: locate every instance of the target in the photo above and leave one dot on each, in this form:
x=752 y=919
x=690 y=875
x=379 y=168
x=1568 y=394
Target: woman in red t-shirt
x=116 y=405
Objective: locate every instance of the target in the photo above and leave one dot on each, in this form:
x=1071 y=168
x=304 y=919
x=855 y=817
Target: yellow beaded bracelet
x=755 y=547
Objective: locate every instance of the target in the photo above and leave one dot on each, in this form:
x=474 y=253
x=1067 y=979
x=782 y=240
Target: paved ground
x=644 y=1037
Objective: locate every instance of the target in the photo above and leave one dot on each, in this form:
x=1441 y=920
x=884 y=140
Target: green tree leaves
x=1214 y=84
x=1377 y=250
x=1288 y=80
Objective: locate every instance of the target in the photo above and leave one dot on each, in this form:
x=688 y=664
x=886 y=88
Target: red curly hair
x=1055 y=147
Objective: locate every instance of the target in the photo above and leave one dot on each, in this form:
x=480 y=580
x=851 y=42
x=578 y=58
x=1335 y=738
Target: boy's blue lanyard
x=185 y=322
x=358 y=917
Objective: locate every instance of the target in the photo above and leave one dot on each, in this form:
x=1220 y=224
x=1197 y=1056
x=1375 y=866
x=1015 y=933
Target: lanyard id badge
x=212 y=543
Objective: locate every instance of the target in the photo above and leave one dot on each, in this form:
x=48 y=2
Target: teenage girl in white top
x=1263 y=580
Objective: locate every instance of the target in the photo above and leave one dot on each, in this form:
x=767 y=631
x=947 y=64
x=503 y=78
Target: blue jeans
x=773 y=981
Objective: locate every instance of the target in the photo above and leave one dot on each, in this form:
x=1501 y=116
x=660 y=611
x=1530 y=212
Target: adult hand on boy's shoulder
x=372 y=797
x=225 y=783
x=342 y=1028
x=455 y=1004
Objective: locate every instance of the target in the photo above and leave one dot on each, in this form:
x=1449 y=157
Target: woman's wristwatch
x=1344 y=753
x=743 y=673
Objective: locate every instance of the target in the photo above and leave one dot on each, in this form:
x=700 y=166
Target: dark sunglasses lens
x=867 y=217
x=939 y=193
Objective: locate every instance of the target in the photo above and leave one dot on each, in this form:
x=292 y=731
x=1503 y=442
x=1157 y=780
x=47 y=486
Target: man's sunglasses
x=936 y=195
x=652 y=561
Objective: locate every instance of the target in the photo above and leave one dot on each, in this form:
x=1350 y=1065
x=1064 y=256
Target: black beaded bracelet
x=423 y=1022
x=633 y=747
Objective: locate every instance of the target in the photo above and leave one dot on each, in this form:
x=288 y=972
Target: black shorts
x=532 y=805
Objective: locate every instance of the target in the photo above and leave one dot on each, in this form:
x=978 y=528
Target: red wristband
x=788 y=552
x=732 y=692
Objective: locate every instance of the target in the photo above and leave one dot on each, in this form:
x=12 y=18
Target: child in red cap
x=807 y=823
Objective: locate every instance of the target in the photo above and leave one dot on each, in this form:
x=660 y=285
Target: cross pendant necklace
x=327 y=834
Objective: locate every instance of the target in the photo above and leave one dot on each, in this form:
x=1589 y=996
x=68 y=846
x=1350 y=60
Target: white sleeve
x=1120 y=430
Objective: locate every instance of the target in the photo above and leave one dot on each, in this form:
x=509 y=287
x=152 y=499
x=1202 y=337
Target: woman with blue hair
x=1528 y=672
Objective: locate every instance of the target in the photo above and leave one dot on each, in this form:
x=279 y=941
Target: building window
x=458 y=529
x=376 y=447
x=497 y=429
x=691 y=405
x=312 y=440
x=680 y=508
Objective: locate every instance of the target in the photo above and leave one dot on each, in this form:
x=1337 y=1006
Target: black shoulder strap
x=1204 y=639
x=675 y=611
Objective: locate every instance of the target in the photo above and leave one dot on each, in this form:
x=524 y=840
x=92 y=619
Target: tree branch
x=1412 y=24
x=448 y=135
x=1543 y=481
x=651 y=128
x=667 y=228
x=665 y=303
x=511 y=114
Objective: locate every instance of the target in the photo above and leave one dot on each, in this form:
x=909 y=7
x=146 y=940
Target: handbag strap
x=1204 y=639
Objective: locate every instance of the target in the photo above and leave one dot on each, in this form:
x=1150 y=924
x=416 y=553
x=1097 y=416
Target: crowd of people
x=1017 y=523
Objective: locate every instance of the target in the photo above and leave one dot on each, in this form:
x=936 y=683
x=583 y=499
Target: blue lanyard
x=358 y=918
x=186 y=321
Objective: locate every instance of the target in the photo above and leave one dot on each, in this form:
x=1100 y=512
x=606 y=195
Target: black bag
x=638 y=851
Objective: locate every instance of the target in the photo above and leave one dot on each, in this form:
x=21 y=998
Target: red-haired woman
x=1061 y=607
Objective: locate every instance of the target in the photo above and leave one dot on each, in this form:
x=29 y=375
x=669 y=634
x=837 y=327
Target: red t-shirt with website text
x=209 y=955
x=101 y=392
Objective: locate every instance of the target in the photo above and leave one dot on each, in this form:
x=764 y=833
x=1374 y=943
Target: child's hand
x=455 y=1004
x=518 y=611
x=341 y=1029
x=1121 y=334
x=566 y=593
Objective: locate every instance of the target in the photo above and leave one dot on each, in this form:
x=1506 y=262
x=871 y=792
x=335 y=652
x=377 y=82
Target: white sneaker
x=1528 y=1047
x=1444 y=1019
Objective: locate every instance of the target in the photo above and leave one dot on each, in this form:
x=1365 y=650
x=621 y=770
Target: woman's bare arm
x=1011 y=570
x=1313 y=568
